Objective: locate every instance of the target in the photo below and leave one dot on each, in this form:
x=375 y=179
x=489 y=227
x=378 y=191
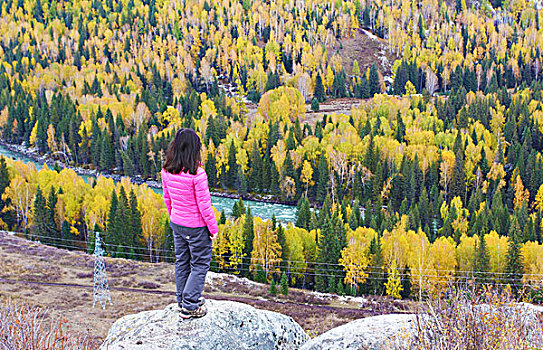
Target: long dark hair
x=183 y=153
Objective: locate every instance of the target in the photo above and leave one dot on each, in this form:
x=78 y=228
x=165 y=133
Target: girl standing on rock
x=187 y=198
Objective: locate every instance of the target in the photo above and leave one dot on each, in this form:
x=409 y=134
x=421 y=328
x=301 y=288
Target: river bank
x=263 y=207
x=33 y=154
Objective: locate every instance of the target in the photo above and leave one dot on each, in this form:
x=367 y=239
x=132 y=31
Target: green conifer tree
x=248 y=237
x=134 y=227
x=107 y=155
x=211 y=170
x=303 y=213
x=400 y=128
x=340 y=289
x=7 y=216
x=364 y=87
x=421 y=28
x=52 y=229
x=112 y=222
x=40 y=217
x=260 y=274
x=315 y=107
x=406 y=283
x=322 y=180
x=329 y=245
x=482 y=261
x=375 y=85
x=242 y=187
x=514 y=268
x=232 y=173
x=274 y=179
x=38 y=11
x=255 y=169
x=273 y=288
x=319 y=93
x=284 y=284
x=376 y=278
x=332 y=284
x=282 y=240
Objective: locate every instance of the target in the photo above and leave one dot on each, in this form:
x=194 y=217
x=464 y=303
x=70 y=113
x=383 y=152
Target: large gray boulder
x=371 y=333
x=228 y=325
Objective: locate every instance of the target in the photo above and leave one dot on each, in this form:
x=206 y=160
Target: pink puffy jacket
x=188 y=200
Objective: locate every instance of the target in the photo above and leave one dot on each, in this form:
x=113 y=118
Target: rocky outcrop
x=228 y=325
x=372 y=333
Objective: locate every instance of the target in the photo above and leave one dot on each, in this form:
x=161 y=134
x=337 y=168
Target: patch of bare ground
x=336 y=105
x=60 y=282
x=366 y=48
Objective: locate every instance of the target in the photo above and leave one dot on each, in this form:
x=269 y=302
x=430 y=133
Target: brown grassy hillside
x=60 y=281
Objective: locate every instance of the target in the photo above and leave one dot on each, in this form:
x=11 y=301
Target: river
x=283 y=213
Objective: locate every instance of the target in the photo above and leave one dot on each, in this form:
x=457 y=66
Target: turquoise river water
x=283 y=213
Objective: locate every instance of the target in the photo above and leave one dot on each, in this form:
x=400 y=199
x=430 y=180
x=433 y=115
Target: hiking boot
x=199 y=312
x=201 y=302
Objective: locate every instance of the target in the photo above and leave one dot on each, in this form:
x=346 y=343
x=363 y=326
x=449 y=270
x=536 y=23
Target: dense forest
x=436 y=175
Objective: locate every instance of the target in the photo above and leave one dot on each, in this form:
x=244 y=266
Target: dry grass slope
x=137 y=286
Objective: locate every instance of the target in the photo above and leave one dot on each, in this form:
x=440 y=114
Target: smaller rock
x=228 y=325
x=371 y=333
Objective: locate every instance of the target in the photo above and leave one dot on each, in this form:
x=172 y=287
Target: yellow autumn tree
x=539 y=198
x=96 y=203
x=522 y=195
x=171 y=117
x=20 y=194
x=395 y=244
x=266 y=249
x=355 y=256
x=420 y=260
x=532 y=253
x=34 y=135
x=497 y=249
x=465 y=251
x=74 y=191
x=393 y=284
x=457 y=214
x=294 y=255
x=446 y=169
x=307 y=175
x=220 y=246
x=236 y=244
x=281 y=103
x=153 y=214
x=443 y=255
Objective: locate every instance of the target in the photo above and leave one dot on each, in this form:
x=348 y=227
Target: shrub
x=483 y=320
x=24 y=327
x=148 y=285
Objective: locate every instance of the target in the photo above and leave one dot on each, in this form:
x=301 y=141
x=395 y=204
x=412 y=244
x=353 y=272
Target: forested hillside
x=436 y=175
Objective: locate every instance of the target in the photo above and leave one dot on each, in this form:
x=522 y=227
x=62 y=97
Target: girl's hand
x=213 y=236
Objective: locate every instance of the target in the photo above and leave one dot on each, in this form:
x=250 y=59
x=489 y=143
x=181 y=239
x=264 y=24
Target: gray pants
x=192 y=261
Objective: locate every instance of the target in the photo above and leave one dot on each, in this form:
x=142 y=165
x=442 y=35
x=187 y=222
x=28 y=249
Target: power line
x=445 y=271
x=314 y=272
x=341 y=270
